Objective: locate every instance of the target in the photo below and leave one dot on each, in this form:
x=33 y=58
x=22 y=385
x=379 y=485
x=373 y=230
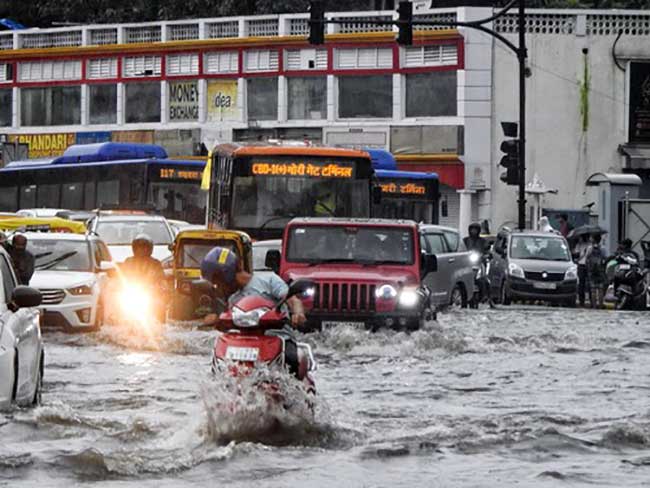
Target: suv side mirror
x=107 y=267
x=272 y=260
x=26 y=297
x=429 y=263
x=376 y=195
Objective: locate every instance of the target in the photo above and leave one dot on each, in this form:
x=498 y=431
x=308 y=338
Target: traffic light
x=405 y=25
x=510 y=160
x=316 y=23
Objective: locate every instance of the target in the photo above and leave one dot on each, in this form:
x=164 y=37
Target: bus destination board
x=309 y=169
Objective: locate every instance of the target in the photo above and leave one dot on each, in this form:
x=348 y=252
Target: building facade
x=436 y=105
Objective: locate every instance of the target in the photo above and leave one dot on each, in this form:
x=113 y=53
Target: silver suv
x=532 y=265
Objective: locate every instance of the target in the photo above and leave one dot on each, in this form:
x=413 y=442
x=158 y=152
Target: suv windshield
x=539 y=247
x=116 y=232
x=366 y=245
x=60 y=255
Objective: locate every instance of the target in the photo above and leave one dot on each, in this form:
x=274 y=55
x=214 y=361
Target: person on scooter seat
x=224 y=270
x=143 y=268
x=474 y=241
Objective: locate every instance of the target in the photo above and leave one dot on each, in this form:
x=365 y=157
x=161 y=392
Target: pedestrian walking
x=595 y=261
x=580 y=252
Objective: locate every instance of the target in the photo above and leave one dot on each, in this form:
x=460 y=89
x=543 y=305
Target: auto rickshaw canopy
x=42 y=224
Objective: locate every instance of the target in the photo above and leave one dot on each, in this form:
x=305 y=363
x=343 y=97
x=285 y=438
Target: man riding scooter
x=224 y=270
x=145 y=270
x=479 y=247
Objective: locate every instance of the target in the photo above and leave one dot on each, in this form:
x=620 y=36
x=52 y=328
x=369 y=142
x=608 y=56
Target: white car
x=118 y=231
x=21 y=346
x=39 y=212
x=71 y=272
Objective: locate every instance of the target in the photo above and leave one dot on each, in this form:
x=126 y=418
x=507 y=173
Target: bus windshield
x=270 y=202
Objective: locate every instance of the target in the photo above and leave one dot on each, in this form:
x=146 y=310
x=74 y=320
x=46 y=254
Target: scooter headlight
x=248 y=319
x=386 y=292
x=474 y=257
x=408 y=298
x=135 y=302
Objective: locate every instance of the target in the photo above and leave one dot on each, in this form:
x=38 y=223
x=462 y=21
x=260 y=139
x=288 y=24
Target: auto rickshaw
x=193 y=297
x=41 y=224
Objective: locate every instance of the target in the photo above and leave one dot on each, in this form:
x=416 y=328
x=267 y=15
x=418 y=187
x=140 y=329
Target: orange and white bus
x=258 y=189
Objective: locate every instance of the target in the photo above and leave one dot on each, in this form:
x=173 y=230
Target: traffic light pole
x=521 y=57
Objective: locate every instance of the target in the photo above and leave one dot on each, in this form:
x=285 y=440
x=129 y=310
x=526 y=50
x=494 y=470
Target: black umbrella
x=589 y=230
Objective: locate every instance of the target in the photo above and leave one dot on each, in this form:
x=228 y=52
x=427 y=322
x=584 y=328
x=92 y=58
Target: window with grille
x=49 y=70
x=261 y=60
x=5 y=72
x=422 y=56
x=364 y=58
x=97 y=69
x=137 y=66
x=305 y=59
x=183 y=64
x=221 y=62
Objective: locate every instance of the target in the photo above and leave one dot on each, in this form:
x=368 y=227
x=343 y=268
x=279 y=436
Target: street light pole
x=521 y=57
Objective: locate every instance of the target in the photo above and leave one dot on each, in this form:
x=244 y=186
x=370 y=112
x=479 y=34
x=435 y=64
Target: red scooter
x=255 y=338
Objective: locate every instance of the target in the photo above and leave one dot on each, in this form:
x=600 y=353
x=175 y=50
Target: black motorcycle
x=630 y=284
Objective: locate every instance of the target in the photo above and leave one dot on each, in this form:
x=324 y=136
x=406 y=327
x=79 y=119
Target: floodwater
x=518 y=396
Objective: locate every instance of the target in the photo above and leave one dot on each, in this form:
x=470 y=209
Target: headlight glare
x=386 y=292
x=474 y=257
x=408 y=298
x=80 y=290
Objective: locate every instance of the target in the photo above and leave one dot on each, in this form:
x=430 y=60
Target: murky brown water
x=522 y=396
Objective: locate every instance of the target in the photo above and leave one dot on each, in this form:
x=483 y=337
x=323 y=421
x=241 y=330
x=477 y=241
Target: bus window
x=72 y=196
x=8 y=199
x=27 y=196
x=108 y=192
x=48 y=196
x=89 y=195
x=182 y=201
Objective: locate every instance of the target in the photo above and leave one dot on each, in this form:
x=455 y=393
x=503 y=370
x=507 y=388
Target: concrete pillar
x=465 y=212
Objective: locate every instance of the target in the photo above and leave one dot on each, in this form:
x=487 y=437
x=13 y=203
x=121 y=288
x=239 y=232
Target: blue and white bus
x=91 y=176
x=405 y=194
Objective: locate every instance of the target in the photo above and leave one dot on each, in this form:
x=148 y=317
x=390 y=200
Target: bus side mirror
x=272 y=260
x=376 y=194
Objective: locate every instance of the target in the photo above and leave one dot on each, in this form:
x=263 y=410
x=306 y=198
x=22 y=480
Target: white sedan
x=21 y=346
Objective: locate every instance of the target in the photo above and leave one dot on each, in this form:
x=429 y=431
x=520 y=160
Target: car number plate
x=330 y=324
x=242 y=353
x=544 y=286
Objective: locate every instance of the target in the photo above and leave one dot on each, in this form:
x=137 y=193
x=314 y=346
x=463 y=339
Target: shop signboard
x=222 y=101
x=183 y=101
x=45 y=145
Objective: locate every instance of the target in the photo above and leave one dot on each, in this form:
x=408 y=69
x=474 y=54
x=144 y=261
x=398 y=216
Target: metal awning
x=614 y=179
x=636 y=156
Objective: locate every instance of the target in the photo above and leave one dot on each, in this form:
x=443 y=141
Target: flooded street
x=519 y=396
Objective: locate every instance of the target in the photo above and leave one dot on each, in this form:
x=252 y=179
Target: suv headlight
x=408 y=298
x=248 y=319
x=81 y=290
x=386 y=292
x=571 y=273
x=516 y=270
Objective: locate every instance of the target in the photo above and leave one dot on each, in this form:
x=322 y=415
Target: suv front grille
x=538 y=276
x=52 y=296
x=344 y=297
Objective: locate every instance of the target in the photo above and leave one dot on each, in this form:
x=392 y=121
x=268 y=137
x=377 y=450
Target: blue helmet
x=219 y=266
